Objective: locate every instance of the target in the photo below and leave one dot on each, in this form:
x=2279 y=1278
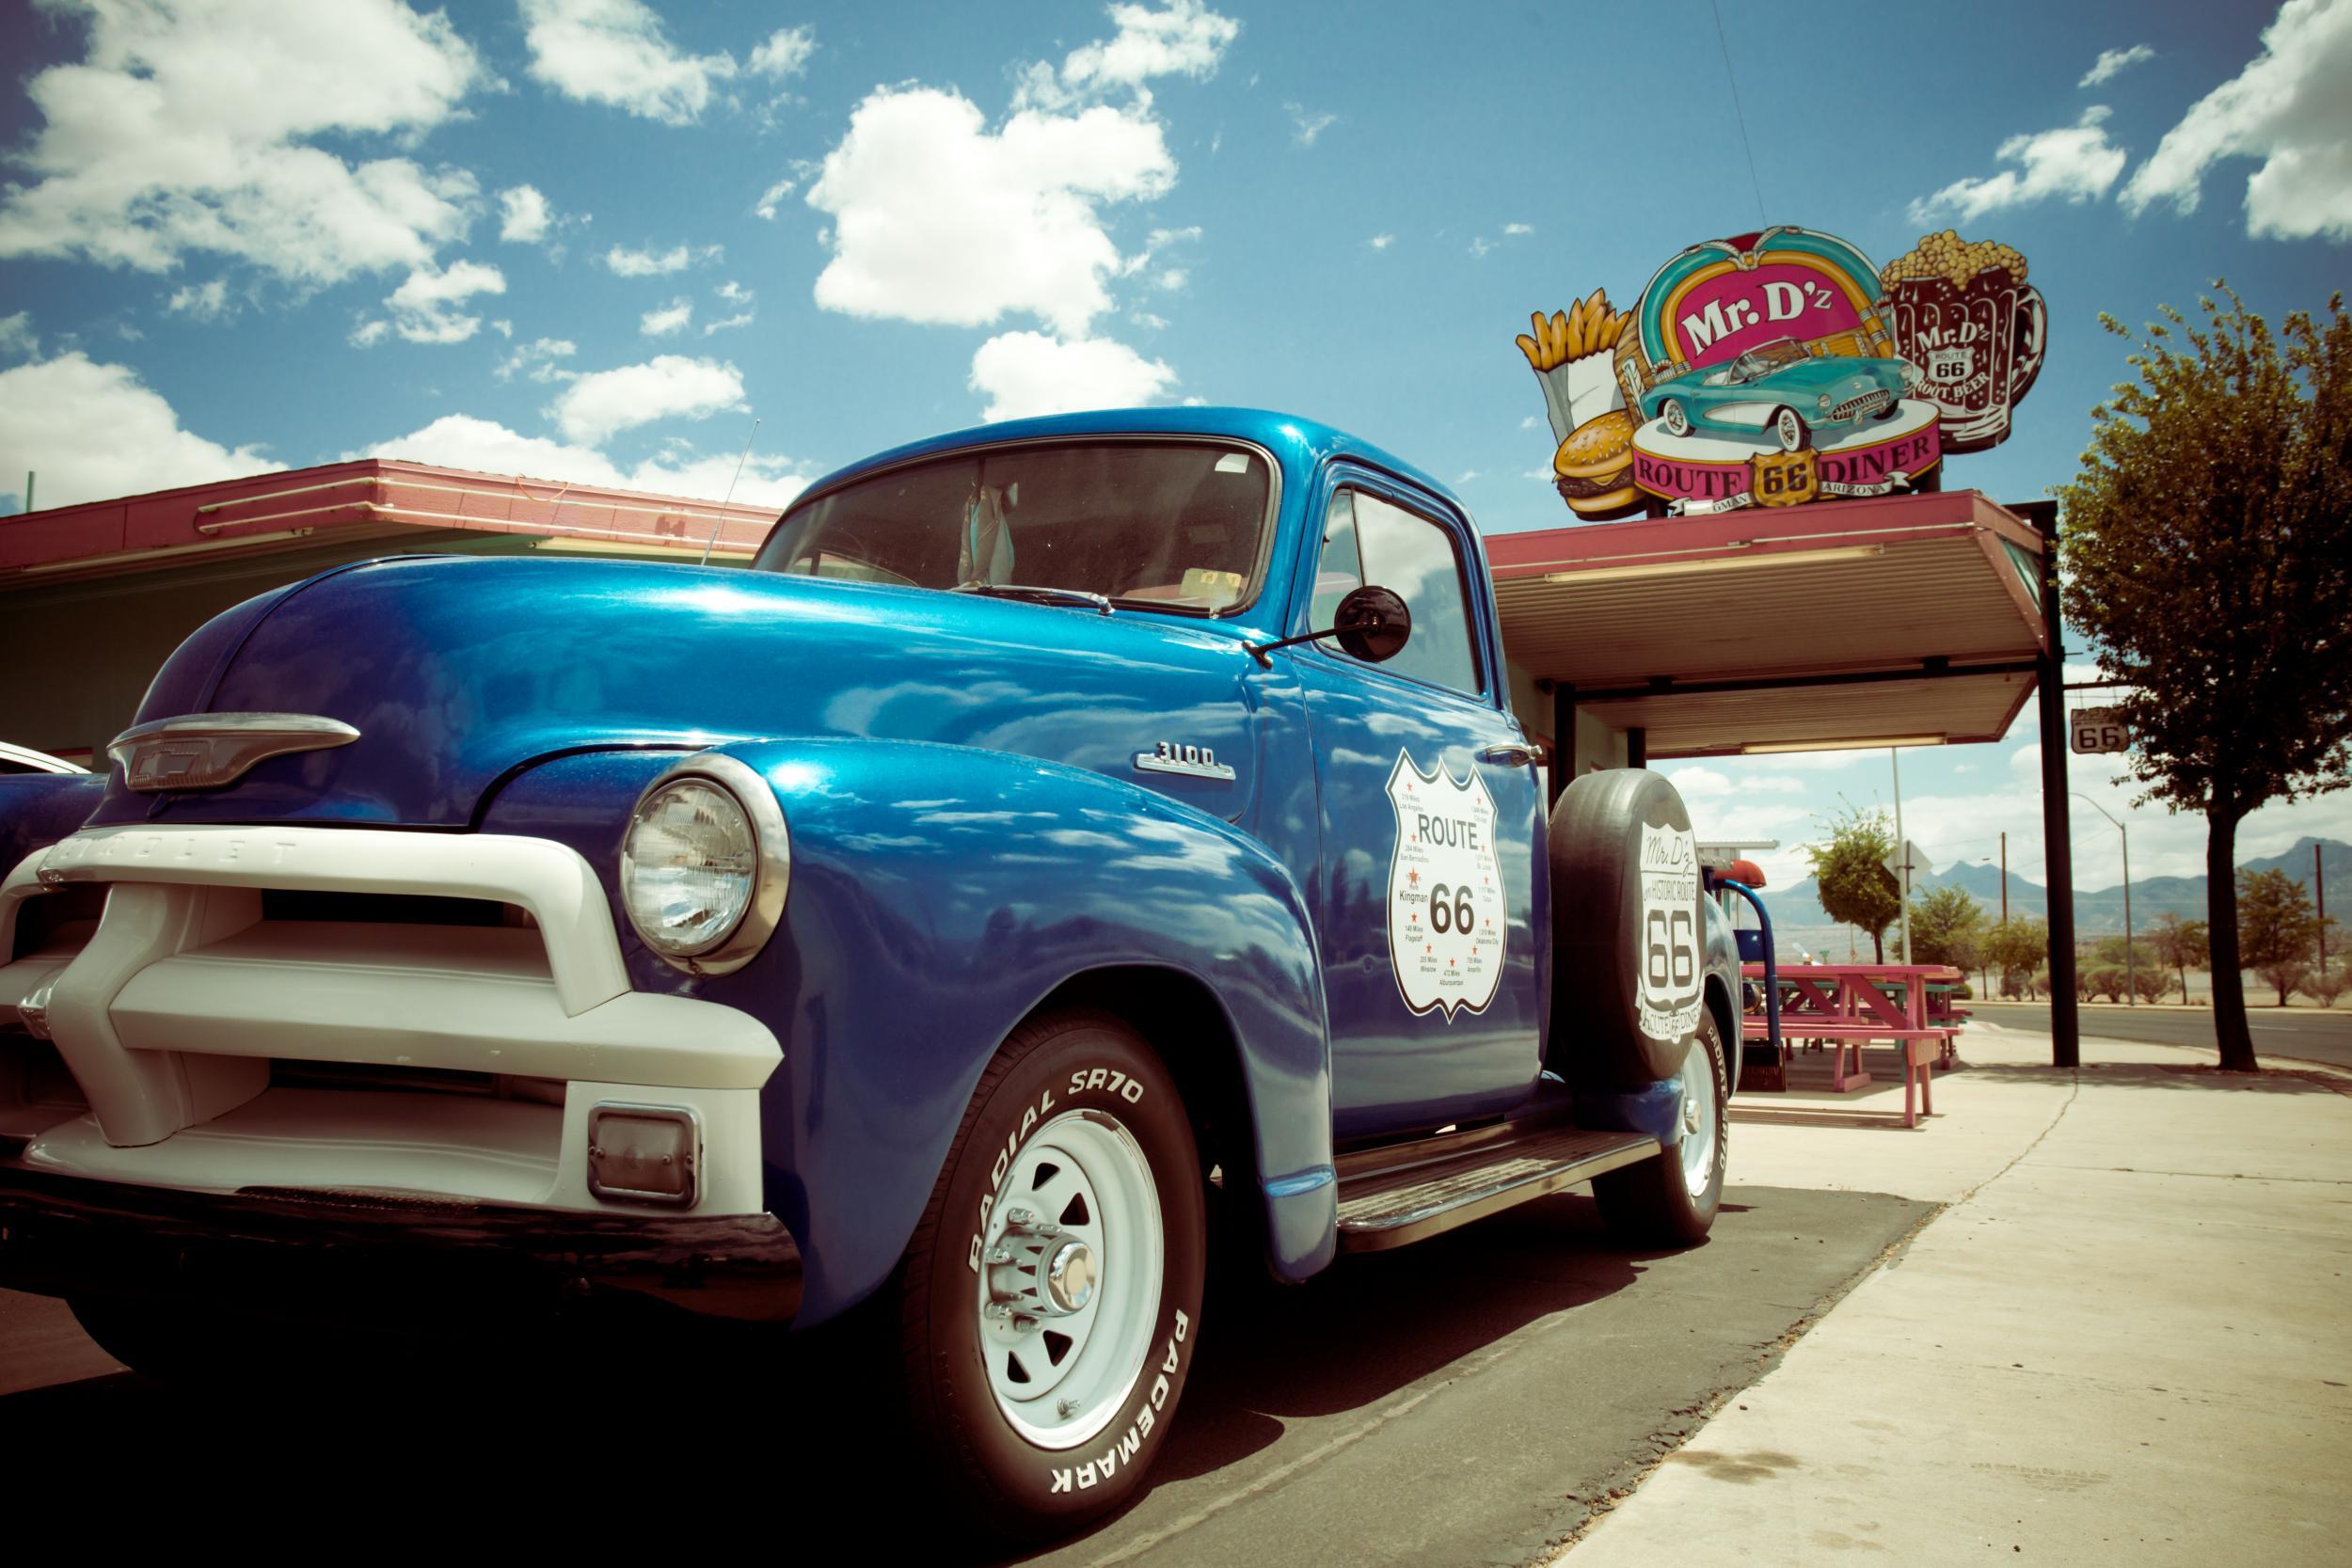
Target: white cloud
x=187 y=127
x=625 y=262
x=2114 y=62
x=615 y=51
x=1514 y=230
x=674 y=317
x=1149 y=322
x=1183 y=39
x=464 y=441
x=724 y=323
x=771 y=199
x=672 y=385
x=784 y=54
x=204 y=302
x=939 y=219
x=537 y=359
x=1305 y=127
x=96 y=431
x=523 y=214
x=733 y=292
x=2292 y=108
x=1024 y=373
x=426 y=305
x=2075 y=162
x=17 y=337
x=1381 y=242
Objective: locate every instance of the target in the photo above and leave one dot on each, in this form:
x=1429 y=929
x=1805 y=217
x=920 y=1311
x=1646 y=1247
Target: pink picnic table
x=1844 y=1005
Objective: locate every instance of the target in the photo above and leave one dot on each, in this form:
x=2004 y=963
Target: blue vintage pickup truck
x=1076 y=850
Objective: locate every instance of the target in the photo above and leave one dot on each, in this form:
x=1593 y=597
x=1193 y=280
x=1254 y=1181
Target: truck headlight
x=705 y=865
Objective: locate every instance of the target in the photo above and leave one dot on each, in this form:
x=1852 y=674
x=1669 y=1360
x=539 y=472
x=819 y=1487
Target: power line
x=1738 y=113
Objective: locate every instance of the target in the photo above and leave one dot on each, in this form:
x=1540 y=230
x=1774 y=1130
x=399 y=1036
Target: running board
x=1416 y=1197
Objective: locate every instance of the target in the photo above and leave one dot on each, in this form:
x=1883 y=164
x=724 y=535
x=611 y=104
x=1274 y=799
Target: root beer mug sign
x=1782 y=366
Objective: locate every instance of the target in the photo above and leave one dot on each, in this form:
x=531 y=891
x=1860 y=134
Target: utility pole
x=2005 y=879
x=2131 y=978
x=2319 y=886
x=2058 y=845
x=1902 y=848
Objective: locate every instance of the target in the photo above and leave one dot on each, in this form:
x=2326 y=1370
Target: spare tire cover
x=1629 y=942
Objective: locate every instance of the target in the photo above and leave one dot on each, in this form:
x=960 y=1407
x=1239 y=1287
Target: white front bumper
x=172 y=1016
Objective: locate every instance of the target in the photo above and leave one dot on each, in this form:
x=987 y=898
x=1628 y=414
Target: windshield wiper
x=1074 y=596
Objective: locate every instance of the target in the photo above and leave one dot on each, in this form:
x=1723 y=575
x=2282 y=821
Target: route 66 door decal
x=1446 y=913
x=1670 y=991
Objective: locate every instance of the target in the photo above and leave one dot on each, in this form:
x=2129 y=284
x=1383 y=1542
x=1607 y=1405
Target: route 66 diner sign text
x=1446 y=914
x=1783 y=366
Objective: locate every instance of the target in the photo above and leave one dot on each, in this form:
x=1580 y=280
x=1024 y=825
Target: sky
x=599 y=239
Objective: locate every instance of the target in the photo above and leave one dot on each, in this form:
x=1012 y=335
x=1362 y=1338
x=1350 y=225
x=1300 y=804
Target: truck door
x=1431 y=857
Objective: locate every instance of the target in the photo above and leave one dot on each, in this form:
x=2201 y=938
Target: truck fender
x=938 y=895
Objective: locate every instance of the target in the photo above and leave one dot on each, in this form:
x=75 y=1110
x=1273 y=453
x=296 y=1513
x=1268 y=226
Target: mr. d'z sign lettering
x=1446 y=915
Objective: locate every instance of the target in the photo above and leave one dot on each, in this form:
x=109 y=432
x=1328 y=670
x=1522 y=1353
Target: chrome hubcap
x=1068 y=1287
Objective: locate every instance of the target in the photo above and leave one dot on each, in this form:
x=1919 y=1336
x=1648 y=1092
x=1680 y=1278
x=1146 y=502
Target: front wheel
x=1676 y=417
x=1051 y=1296
x=1790 y=431
x=1671 y=1200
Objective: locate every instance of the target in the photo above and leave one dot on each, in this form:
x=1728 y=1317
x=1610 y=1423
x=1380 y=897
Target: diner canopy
x=1904 y=619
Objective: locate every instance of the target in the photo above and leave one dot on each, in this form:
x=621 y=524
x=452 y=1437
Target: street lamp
x=2131 y=978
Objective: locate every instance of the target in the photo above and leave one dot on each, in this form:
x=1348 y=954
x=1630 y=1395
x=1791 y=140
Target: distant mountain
x=1799 y=920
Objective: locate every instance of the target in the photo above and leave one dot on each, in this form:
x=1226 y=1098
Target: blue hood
x=458 y=672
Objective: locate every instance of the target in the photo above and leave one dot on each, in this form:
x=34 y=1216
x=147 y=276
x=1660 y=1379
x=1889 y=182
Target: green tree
x=2180 y=944
x=2208 y=555
x=2017 y=949
x=2277 y=930
x=1944 y=925
x=1849 y=872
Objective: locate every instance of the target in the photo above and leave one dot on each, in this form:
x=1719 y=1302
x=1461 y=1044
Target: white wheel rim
x=1677 y=422
x=1698 y=1118
x=1079 y=1192
x=1790 y=431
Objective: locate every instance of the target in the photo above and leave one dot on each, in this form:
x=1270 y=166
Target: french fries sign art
x=1782 y=366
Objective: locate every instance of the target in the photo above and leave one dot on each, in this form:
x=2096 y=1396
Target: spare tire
x=1629 y=945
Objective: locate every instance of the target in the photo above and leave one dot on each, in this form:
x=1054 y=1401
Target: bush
x=2101 y=980
x=2039 y=986
x=2286 y=979
x=2151 y=985
x=2326 y=984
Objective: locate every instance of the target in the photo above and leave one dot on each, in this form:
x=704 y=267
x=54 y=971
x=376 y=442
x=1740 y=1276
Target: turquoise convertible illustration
x=1780 y=386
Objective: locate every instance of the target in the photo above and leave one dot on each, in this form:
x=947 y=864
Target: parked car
x=1068 y=838
x=1782 y=391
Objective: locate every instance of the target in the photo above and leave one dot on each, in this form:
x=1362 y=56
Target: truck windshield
x=1161 y=524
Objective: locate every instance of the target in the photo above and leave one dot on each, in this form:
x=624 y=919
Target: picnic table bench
x=1848 y=1004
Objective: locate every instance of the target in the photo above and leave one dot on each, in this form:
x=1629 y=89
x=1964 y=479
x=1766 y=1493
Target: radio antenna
x=710 y=543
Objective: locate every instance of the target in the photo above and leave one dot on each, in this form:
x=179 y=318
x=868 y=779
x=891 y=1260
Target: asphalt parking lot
x=1469 y=1401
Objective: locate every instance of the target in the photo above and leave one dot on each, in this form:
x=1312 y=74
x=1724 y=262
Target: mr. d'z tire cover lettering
x=1629 y=939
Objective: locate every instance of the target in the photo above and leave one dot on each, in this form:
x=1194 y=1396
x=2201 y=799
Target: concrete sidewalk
x=2128 y=1341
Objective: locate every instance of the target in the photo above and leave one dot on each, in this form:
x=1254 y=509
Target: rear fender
x=938 y=895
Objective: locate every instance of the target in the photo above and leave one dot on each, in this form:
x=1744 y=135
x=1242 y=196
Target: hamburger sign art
x=1781 y=367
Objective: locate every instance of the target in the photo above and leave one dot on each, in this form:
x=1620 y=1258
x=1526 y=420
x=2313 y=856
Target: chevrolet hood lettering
x=206 y=751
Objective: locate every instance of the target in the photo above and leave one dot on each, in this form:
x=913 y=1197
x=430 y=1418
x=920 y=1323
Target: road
x=2304 y=1032
x=1467 y=1401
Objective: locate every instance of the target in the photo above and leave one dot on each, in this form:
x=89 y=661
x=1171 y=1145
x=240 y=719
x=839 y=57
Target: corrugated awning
x=1854 y=622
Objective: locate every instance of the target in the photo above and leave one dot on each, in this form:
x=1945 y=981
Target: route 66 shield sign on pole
x=2098 y=729
x=1446 y=914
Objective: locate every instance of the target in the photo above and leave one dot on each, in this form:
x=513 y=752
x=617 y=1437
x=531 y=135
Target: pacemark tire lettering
x=1103 y=1466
